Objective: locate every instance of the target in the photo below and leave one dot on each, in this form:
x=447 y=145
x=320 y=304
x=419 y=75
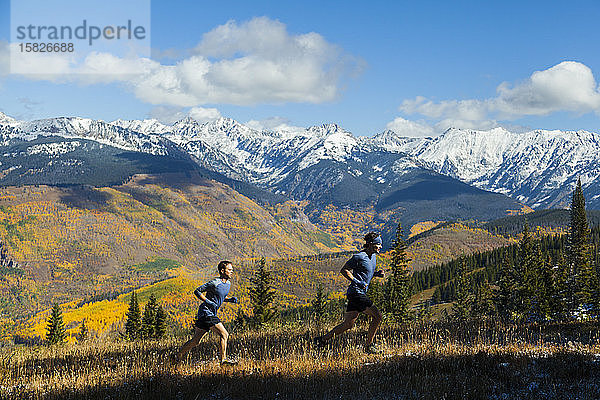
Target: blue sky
x=415 y=67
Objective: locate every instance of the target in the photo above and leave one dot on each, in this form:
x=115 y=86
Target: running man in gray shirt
x=359 y=270
x=206 y=319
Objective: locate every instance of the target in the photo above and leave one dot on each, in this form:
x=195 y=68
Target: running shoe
x=229 y=361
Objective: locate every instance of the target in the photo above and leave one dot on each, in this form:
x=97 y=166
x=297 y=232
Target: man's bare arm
x=346 y=273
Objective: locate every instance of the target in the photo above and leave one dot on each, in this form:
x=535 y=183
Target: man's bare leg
x=187 y=346
x=376 y=318
x=349 y=320
x=220 y=330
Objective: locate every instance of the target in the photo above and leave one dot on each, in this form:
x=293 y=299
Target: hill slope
x=82 y=241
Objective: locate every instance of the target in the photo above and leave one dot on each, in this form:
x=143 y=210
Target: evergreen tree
x=241 y=319
x=56 y=332
x=463 y=305
x=595 y=295
x=505 y=297
x=484 y=306
x=398 y=288
x=579 y=254
x=564 y=292
x=83 y=333
x=525 y=275
x=262 y=295
x=133 y=323
x=160 y=322
x=545 y=290
x=437 y=296
x=149 y=318
x=377 y=293
x=319 y=304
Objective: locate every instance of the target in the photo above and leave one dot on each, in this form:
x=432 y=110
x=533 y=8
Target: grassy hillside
x=478 y=360
x=295 y=280
x=449 y=241
x=81 y=242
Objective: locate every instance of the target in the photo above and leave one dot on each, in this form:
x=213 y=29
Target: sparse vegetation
x=523 y=323
x=478 y=360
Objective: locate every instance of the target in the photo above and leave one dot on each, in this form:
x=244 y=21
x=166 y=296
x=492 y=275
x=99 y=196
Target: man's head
x=225 y=269
x=372 y=242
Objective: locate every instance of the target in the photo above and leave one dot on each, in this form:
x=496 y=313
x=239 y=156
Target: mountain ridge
x=537 y=167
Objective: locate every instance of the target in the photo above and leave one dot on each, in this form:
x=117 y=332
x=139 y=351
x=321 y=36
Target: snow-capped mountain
x=74 y=127
x=538 y=168
x=7 y=121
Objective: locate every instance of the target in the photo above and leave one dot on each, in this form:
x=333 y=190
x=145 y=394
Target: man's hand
x=379 y=274
x=211 y=303
x=359 y=283
x=233 y=300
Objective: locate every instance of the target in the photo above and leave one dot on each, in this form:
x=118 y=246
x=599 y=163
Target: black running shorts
x=205 y=322
x=358 y=302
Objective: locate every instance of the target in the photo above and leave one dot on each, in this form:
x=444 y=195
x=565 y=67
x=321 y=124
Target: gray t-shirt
x=362 y=268
x=216 y=291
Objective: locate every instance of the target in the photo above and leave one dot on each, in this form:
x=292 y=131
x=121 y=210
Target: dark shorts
x=358 y=302
x=206 y=321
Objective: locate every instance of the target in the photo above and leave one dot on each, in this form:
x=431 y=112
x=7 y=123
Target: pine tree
x=83 y=333
x=241 y=320
x=484 y=306
x=319 y=304
x=149 y=318
x=398 y=288
x=56 y=332
x=377 y=293
x=463 y=305
x=160 y=322
x=545 y=291
x=579 y=254
x=564 y=292
x=133 y=323
x=505 y=297
x=262 y=295
x=595 y=295
x=525 y=275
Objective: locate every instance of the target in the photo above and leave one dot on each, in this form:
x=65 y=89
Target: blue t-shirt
x=362 y=268
x=216 y=291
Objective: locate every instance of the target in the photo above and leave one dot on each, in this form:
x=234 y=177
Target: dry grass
x=480 y=360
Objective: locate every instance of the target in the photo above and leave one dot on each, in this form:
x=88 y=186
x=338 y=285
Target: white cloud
x=249 y=63
x=406 y=128
x=568 y=86
x=201 y=114
x=169 y=115
x=276 y=124
x=482 y=125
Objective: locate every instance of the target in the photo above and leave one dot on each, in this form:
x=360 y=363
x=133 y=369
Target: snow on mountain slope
x=100 y=131
x=537 y=167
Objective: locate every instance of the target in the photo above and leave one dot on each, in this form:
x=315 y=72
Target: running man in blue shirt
x=359 y=270
x=206 y=319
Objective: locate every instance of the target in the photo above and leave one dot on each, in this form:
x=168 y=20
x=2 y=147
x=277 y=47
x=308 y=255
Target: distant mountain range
x=461 y=174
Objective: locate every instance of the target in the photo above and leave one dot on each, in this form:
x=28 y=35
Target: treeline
x=542 y=218
x=552 y=278
x=484 y=265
